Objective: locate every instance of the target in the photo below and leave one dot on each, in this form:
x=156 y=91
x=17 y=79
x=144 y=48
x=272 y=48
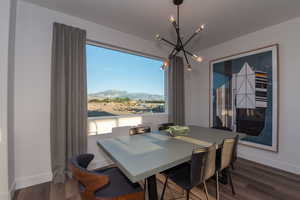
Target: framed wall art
x=244 y=96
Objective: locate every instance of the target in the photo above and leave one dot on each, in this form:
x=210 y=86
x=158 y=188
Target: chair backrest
x=227 y=152
x=235 y=149
x=139 y=130
x=198 y=160
x=89 y=182
x=210 y=164
x=120 y=131
x=203 y=164
x=83 y=160
x=165 y=126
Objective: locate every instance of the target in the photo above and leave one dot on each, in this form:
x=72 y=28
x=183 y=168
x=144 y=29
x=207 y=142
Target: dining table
x=141 y=157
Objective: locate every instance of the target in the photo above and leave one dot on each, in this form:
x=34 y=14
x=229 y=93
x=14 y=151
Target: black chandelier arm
x=178 y=36
x=184 y=53
x=190 y=38
x=176 y=53
x=186 y=59
x=178 y=16
x=189 y=53
x=182 y=47
x=167 y=41
x=172 y=52
x=175 y=26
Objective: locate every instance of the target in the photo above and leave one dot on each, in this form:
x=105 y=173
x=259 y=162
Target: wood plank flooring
x=252 y=181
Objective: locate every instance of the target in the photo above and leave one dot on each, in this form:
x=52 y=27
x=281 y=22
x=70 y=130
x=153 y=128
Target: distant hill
x=124 y=94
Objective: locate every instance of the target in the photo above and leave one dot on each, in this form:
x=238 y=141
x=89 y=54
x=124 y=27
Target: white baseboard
x=23 y=182
x=9 y=194
x=28 y=181
x=272 y=163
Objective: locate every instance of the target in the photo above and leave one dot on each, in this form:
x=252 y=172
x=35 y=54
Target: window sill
x=104 y=125
x=127 y=116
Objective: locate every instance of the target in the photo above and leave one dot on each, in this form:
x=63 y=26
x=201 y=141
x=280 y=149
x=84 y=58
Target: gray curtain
x=176 y=91
x=68 y=98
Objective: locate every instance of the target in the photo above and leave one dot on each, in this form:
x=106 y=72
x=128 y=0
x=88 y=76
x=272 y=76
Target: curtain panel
x=68 y=98
x=176 y=104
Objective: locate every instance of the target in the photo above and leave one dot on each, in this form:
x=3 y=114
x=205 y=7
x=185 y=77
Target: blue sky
x=108 y=69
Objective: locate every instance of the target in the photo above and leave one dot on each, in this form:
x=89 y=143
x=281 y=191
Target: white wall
x=287 y=35
x=32 y=85
x=10 y=98
x=4 y=38
x=7 y=43
x=7 y=24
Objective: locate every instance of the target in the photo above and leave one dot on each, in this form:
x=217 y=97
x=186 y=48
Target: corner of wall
x=12 y=190
x=9 y=195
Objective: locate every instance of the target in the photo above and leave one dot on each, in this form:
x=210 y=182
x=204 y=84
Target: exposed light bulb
x=172 y=19
x=157 y=37
x=165 y=65
x=189 y=67
x=198 y=58
x=201 y=28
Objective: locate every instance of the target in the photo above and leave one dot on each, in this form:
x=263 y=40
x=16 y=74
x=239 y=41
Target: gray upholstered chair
x=226 y=158
x=165 y=126
x=104 y=184
x=193 y=173
x=235 y=150
x=139 y=130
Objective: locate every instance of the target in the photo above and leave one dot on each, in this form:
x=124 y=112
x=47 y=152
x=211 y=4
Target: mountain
x=125 y=94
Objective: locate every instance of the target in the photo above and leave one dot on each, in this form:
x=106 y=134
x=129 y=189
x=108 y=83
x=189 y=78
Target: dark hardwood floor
x=252 y=181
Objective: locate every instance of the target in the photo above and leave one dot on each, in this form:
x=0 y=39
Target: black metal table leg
x=152 y=189
x=224 y=178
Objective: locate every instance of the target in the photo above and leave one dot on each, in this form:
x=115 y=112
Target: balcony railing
x=104 y=125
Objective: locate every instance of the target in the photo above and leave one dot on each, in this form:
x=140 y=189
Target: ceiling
x=225 y=19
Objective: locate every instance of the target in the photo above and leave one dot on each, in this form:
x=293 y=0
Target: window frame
x=136 y=53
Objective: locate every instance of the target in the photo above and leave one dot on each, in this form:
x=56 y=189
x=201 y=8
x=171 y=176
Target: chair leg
x=205 y=189
x=187 y=194
x=145 y=187
x=230 y=181
x=164 y=189
x=217 y=186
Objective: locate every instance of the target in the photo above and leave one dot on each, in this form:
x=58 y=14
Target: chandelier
x=180 y=45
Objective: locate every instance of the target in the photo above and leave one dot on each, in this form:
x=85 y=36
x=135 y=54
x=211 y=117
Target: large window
x=123 y=84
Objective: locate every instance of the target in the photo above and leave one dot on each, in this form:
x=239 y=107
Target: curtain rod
x=130 y=51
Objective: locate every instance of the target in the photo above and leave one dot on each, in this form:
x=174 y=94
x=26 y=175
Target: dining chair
x=193 y=173
x=165 y=126
x=120 y=131
x=225 y=159
x=139 y=130
x=103 y=184
x=235 y=150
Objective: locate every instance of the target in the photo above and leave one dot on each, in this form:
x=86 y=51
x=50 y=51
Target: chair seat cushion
x=118 y=184
x=180 y=175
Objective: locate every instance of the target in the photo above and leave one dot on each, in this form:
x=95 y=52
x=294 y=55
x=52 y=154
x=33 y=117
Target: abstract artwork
x=243 y=96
